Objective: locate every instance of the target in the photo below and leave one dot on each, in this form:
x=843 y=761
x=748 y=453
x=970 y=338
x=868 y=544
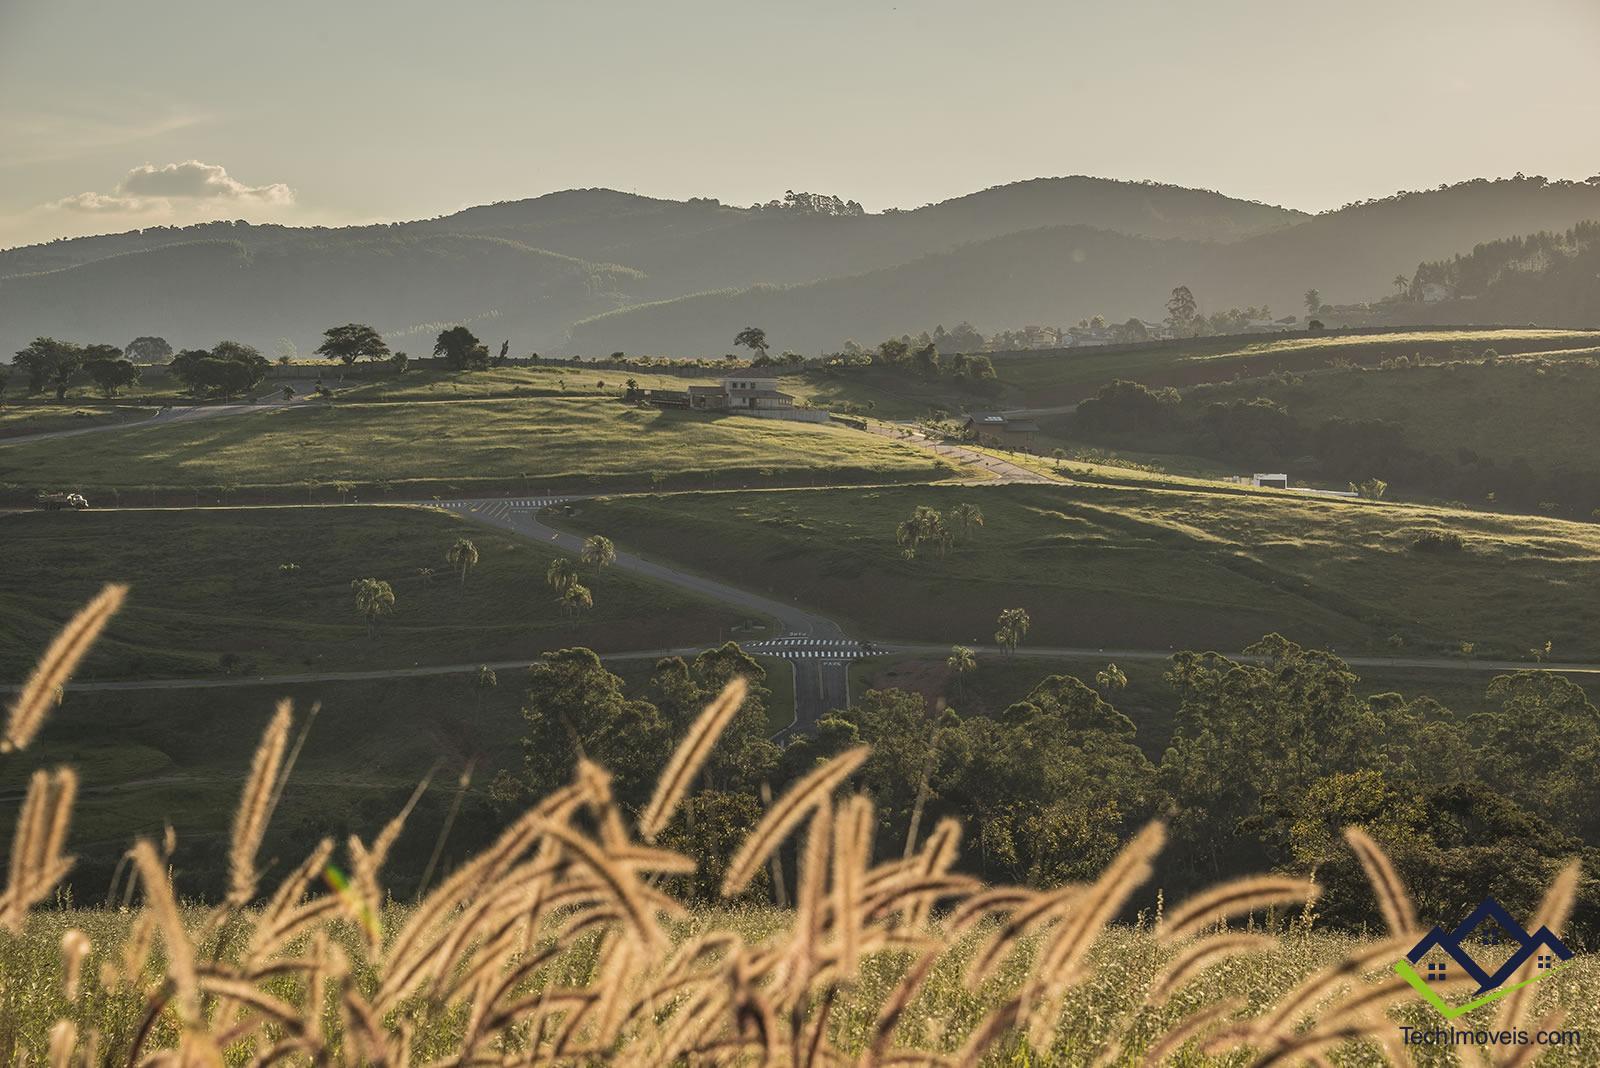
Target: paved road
x=819 y=685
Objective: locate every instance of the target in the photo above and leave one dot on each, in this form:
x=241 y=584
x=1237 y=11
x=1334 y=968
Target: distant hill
x=1551 y=278
x=599 y=270
x=1062 y=274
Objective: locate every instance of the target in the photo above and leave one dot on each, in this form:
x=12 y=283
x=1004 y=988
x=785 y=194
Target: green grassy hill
x=406 y=451
x=1133 y=566
x=207 y=584
x=1504 y=432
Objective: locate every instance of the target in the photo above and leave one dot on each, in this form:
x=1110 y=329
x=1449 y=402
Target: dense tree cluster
x=227 y=369
x=1266 y=762
x=60 y=365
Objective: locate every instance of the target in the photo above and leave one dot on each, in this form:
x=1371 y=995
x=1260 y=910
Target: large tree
x=148 y=350
x=227 y=370
x=753 y=338
x=49 y=362
x=352 y=342
x=110 y=375
x=461 y=349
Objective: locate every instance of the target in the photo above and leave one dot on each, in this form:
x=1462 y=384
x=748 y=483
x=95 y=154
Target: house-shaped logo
x=1442 y=956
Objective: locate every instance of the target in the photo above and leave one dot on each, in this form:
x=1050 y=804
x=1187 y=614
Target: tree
x=561 y=575
x=148 y=350
x=753 y=338
x=463 y=556
x=967 y=516
x=927 y=360
x=50 y=362
x=1401 y=283
x=227 y=370
x=352 y=342
x=1313 y=301
x=482 y=682
x=5 y=379
x=112 y=375
x=505 y=349
x=924 y=525
x=961 y=661
x=598 y=552
x=1013 y=627
x=1181 y=309
x=461 y=349
x=374 y=599
x=1110 y=679
x=577 y=599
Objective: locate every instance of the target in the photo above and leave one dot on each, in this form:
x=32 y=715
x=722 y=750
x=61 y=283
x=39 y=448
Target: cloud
x=95 y=203
x=192 y=178
x=151 y=188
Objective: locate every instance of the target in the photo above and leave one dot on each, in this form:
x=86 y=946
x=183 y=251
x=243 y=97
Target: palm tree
x=1013 y=627
x=577 y=598
x=561 y=575
x=968 y=515
x=1401 y=283
x=374 y=599
x=463 y=556
x=907 y=535
x=598 y=552
x=961 y=661
x=484 y=681
x=1110 y=679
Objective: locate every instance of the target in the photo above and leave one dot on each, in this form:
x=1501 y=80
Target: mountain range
x=596 y=271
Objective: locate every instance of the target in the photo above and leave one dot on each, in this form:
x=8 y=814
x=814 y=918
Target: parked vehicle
x=55 y=502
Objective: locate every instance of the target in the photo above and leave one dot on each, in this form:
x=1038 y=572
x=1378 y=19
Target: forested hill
x=1549 y=277
x=1061 y=274
x=1051 y=250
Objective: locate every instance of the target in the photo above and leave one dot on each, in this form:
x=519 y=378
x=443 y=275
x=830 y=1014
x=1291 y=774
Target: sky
x=117 y=115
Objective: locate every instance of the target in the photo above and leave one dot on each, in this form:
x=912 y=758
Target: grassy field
x=19 y=419
x=1107 y=1008
x=207 y=584
x=1109 y=566
x=1065 y=378
x=417 y=450
x=1539 y=410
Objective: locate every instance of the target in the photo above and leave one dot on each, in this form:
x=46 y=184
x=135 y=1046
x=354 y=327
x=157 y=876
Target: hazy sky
x=116 y=114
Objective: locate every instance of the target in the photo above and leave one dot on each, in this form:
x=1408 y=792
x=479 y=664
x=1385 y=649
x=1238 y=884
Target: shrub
x=1438 y=541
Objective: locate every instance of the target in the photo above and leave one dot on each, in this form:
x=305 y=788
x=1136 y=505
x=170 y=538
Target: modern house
x=744 y=394
x=997 y=428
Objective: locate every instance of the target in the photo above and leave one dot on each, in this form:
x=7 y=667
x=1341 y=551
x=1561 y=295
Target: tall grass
x=560 y=943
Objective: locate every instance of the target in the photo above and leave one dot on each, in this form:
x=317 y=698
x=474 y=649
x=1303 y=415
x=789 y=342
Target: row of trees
x=375 y=598
x=60 y=365
x=927 y=526
x=1267 y=761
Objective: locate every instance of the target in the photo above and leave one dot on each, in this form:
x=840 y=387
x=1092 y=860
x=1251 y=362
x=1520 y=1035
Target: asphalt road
x=819 y=685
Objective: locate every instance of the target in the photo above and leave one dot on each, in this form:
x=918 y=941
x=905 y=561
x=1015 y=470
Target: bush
x=1438 y=541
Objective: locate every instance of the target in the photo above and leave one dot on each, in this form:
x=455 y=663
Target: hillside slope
x=1062 y=274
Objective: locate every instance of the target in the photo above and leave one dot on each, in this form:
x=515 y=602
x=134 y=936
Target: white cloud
x=99 y=203
x=193 y=178
x=156 y=189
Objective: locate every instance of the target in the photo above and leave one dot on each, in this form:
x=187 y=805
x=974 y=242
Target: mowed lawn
x=207 y=583
x=426 y=449
x=1104 y=566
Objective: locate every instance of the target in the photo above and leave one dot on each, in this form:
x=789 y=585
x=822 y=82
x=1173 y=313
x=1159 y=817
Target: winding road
x=816 y=647
x=819 y=684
